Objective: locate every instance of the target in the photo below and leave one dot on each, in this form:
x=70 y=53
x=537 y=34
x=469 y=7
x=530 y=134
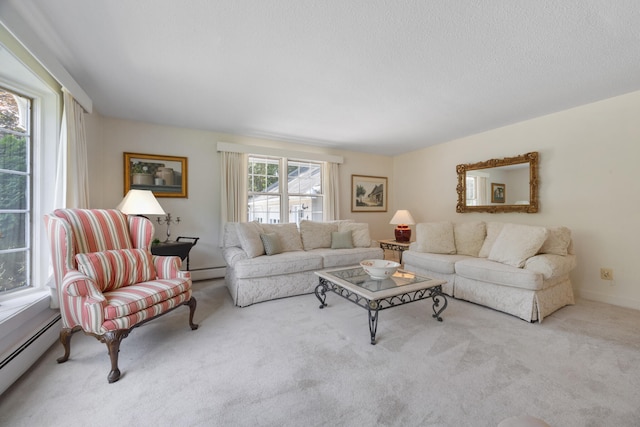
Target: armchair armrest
x=168 y=267
x=76 y=284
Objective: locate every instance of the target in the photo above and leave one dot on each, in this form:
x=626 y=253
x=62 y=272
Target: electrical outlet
x=606 y=273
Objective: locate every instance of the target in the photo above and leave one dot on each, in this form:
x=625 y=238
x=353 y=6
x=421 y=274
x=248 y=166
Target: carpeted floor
x=288 y=363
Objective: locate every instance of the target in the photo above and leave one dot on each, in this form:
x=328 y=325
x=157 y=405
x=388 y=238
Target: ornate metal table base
x=374 y=306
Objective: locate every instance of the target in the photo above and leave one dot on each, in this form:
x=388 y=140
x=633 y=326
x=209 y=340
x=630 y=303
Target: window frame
x=283 y=186
x=27 y=209
x=46 y=113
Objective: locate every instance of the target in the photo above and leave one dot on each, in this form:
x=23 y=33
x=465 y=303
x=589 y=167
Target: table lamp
x=140 y=202
x=402 y=219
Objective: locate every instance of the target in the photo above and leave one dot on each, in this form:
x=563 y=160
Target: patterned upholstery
x=106 y=303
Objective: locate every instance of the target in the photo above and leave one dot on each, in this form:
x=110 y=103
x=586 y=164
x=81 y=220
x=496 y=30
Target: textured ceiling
x=381 y=76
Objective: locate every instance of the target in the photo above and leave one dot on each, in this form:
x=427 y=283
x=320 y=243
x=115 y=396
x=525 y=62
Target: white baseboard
x=34 y=330
x=207 y=273
x=608 y=299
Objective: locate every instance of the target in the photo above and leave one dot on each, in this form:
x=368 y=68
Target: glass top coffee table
x=355 y=285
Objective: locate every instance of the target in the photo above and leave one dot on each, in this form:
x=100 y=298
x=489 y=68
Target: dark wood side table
x=392 y=245
x=177 y=248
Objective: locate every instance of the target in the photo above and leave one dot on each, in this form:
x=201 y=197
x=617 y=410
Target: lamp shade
x=140 y=202
x=402 y=217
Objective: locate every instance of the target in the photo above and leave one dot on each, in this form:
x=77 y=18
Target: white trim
x=13 y=21
x=277 y=152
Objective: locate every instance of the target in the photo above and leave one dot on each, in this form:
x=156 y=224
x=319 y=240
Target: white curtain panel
x=481 y=182
x=233 y=194
x=331 y=184
x=72 y=171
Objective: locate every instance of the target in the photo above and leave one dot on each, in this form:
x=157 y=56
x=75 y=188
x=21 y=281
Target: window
x=471 y=191
x=15 y=191
x=274 y=200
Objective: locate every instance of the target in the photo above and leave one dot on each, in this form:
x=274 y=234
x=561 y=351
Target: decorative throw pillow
x=287 y=233
x=435 y=237
x=316 y=234
x=469 y=237
x=341 y=240
x=117 y=268
x=249 y=236
x=360 y=233
x=493 y=230
x=516 y=243
x=230 y=238
x=558 y=241
x=271 y=243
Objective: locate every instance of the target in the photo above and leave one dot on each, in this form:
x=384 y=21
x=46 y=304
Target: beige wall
x=588 y=174
x=109 y=138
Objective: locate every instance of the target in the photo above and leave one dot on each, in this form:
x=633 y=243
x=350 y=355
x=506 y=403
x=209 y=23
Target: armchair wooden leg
x=65 y=340
x=192 y=309
x=112 y=339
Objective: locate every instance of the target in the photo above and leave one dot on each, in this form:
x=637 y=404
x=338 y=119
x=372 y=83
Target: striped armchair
x=108 y=281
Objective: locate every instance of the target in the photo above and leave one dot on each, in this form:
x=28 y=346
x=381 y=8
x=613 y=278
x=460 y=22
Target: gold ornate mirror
x=499 y=185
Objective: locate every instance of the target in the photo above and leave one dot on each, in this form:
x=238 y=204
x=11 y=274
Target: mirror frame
x=461 y=189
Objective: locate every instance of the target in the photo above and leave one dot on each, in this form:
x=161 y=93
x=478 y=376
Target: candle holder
x=168 y=220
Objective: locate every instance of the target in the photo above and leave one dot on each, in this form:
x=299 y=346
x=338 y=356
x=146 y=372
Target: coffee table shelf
x=374 y=295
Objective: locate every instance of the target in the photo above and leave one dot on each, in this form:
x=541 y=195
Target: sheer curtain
x=233 y=191
x=331 y=184
x=72 y=174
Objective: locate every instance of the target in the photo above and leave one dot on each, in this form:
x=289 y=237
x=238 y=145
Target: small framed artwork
x=498 y=193
x=368 y=193
x=165 y=176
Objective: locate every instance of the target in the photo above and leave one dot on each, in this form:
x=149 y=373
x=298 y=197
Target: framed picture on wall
x=368 y=193
x=165 y=176
x=498 y=193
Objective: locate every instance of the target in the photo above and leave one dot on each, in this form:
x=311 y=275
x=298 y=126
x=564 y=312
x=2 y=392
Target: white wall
x=588 y=173
x=109 y=138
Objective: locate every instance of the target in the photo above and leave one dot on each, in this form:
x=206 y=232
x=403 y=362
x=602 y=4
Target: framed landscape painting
x=368 y=193
x=165 y=176
x=498 y=192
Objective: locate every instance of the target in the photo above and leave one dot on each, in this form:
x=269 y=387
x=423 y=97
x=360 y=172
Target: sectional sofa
x=268 y=261
x=521 y=270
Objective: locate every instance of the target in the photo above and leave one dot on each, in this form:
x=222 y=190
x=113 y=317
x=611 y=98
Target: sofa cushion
x=275 y=265
x=341 y=240
x=493 y=231
x=117 y=268
x=345 y=257
x=557 y=242
x=316 y=234
x=249 y=236
x=516 y=243
x=440 y=263
x=498 y=273
x=469 y=237
x=435 y=237
x=360 y=233
x=271 y=243
x=288 y=235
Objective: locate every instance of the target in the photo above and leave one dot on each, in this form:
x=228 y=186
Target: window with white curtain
x=15 y=191
x=283 y=190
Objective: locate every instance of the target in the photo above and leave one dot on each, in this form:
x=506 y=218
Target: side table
x=392 y=245
x=176 y=248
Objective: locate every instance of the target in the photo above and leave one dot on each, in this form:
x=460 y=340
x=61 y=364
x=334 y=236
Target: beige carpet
x=288 y=363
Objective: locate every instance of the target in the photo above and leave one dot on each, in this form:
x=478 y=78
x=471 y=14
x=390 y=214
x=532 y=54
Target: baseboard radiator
x=26 y=343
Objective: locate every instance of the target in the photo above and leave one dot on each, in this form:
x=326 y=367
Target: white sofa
x=269 y=261
x=519 y=269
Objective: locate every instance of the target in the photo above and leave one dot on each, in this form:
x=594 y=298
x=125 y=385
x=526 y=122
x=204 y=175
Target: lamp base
x=403 y=233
